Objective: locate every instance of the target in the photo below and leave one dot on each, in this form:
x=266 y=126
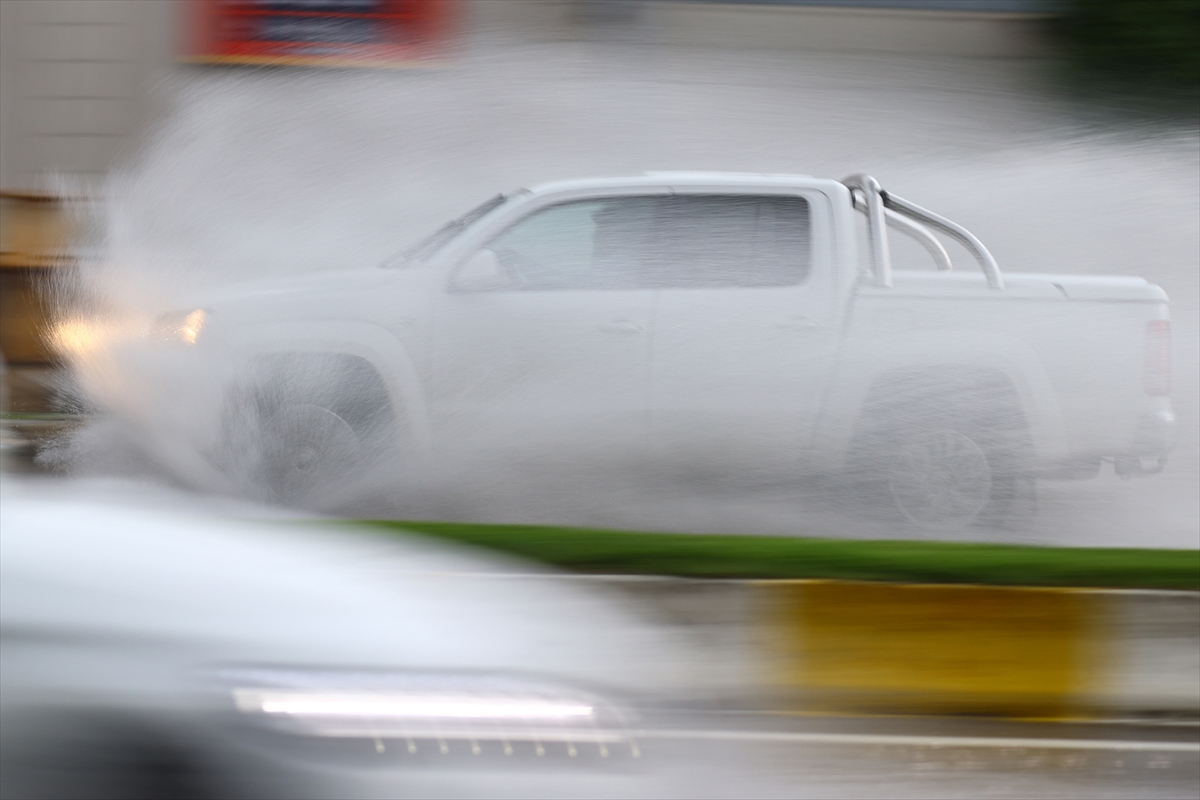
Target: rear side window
x=727 y=241
x=661 y=242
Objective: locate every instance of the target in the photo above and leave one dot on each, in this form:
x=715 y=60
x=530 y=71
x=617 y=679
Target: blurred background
x=151 y=150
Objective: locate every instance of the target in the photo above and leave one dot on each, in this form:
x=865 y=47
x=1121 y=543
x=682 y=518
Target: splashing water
x=271 y=174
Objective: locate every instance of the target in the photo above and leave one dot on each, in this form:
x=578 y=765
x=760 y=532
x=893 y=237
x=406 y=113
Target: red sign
x=337 y=33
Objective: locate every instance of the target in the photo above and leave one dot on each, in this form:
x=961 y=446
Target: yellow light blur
x=193 y=324
x=75 y=337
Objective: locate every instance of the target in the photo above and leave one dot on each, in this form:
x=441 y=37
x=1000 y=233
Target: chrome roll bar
x=883 y=208
x=872 y=198
x=914 y=230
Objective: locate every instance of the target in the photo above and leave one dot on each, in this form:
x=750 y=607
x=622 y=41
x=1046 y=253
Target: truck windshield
x=442 y=236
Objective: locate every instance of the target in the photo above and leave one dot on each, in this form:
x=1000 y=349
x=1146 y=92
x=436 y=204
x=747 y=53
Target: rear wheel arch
x=981 y=392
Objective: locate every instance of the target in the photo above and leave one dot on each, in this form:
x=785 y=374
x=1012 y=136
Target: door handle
x=798 y=324
x=621 y=325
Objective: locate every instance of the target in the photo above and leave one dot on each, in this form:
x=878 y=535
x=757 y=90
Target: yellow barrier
x=902 y=648
x=36 y=230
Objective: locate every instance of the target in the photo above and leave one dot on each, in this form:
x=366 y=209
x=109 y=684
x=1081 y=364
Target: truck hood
x=317 y=284
x=359 y=295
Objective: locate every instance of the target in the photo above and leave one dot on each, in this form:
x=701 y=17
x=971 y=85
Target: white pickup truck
x=730 y=324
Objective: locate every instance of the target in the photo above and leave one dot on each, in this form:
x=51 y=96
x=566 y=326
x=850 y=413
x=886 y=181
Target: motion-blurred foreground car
x=148 y=654
x=724 y=324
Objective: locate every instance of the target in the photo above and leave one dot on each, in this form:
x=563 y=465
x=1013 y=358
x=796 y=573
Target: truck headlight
x=428 y=706
x=183 y=327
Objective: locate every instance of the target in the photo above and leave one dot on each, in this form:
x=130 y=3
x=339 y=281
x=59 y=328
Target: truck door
x=541 y=339
x=743 y=332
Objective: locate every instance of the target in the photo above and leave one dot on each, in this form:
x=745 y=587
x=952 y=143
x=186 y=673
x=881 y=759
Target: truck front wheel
x=309 y=455
x=307 y=431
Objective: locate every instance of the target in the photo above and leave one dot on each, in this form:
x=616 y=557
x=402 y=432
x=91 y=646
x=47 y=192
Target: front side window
x=657 y=242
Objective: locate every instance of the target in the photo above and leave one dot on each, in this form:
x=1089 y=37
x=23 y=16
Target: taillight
x=1156 y=379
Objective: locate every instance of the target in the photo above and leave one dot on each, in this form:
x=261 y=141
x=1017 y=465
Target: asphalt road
x=775 y=756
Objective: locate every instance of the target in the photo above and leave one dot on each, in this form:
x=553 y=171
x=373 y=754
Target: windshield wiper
x=439 y=238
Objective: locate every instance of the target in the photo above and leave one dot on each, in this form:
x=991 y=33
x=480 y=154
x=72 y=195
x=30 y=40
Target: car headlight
x=183 y=327
x=428 y=706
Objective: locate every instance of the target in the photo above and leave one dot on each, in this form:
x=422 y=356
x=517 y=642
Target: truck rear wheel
x=940 y=478
x=947 y=458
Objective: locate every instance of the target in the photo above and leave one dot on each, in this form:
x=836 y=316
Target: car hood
x=316 y=283
x=307 y=594
x=361 y=295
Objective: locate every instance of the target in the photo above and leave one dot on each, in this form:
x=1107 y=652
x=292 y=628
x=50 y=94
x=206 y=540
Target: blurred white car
x=148 y=653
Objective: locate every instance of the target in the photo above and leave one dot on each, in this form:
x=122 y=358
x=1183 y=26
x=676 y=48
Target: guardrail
x=860 y=647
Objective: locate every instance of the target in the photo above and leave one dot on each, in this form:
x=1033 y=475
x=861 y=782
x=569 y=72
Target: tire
x=303 y=431
x=1014 y=499
x=940 y=478
x=947 y=463
x=310 y=455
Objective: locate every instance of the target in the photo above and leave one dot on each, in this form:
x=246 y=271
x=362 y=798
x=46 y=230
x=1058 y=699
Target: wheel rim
x=941 y=478
x=311 y=454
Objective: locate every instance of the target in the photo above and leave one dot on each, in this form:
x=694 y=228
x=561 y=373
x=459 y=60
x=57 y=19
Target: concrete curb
x=856 y=647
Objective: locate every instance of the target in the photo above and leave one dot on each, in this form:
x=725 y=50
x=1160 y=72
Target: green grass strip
x=723 y=556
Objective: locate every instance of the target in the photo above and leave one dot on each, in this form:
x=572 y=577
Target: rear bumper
x=1153 y=439
x=1155 y=435
x=1142 y=453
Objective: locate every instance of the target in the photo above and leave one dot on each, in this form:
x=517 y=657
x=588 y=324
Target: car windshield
x=442 y=236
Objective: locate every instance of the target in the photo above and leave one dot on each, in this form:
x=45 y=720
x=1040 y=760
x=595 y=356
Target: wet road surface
x=757 y=755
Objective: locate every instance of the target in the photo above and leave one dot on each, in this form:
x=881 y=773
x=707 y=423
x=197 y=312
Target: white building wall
x=76 y=78
x=76 y=75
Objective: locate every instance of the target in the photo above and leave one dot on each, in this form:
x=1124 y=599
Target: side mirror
x=480 y=273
